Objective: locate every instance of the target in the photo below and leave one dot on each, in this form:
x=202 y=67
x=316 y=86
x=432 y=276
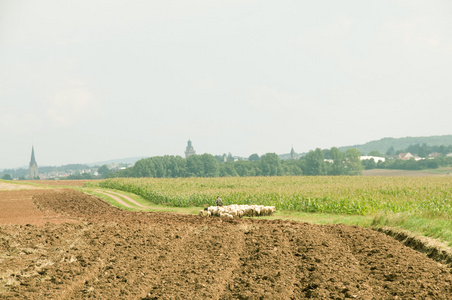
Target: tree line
x=411 y=164
x=315 y=162
x=420 y=150
x=207 y=165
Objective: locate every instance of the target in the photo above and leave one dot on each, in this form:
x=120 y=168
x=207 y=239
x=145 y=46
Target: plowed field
x=114 y=254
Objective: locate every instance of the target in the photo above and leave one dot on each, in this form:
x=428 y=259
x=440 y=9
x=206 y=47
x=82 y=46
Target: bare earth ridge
x=115 y=254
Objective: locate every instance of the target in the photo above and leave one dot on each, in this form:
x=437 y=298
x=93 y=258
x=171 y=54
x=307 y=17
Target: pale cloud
x=275 y=101
x=327 y=41
x=101 y=19
x=27 y=122
x=69 y=105
x=205 y=84
x=243 y=75
x=412 y=31
x=419 y=31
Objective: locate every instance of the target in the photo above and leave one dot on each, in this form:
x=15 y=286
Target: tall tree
x=211 y=167
x=337 y=167
x=353 y=159
x=7 y=177
x=391 y=151
x=195 y=166
x=253 y=157
x=103 y=170
x=314 y=163
x=270 y=165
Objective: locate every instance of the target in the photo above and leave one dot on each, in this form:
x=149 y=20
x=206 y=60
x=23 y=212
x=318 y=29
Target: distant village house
x=405 y=156
x=408 y=156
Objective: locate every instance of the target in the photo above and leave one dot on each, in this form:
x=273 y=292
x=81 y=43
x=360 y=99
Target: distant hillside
x=401 y=143
x=130 y=160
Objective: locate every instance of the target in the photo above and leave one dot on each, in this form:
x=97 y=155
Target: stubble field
x=103 y=252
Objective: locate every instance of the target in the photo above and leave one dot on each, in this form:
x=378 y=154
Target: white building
x=375 y=158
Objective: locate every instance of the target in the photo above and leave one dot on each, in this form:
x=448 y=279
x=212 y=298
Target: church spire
x=33 y=169
x=33 y=159
x=293 y=155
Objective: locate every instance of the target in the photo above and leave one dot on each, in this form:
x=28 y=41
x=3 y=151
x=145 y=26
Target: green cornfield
x=353 y=195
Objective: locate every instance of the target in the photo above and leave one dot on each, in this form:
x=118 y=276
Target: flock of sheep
x=234 y=210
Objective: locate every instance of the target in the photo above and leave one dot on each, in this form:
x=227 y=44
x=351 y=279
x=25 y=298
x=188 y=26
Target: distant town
x=70 y=171
x=402 y=159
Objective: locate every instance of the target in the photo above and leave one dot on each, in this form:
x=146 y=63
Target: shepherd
x=219 y=202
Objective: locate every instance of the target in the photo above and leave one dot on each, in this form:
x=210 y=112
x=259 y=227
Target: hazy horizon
x=101 y=162
x=88 y=81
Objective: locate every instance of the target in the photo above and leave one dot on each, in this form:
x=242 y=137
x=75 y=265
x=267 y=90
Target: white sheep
x=204 y=213
x=213 y=210
x=226 y=215
x=235 y=210
x=257 y=210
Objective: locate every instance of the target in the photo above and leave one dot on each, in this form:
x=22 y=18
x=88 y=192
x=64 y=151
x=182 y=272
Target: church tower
x=189 y=151
x=293 y=155
x=33 y=169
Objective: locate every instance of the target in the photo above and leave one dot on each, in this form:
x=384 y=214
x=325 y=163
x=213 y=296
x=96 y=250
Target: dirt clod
x=113 y=254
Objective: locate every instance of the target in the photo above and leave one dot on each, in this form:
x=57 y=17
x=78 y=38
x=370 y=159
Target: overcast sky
x=86 y=81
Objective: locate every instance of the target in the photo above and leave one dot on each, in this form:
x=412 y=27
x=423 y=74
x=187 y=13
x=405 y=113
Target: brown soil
x=114 y=254
x=17 y=207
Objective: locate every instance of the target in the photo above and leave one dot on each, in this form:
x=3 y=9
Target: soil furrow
x=114 y=254
x=266 y=268
x=200 y=264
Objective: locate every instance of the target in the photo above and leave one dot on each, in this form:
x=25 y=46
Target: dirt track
x=113 y=254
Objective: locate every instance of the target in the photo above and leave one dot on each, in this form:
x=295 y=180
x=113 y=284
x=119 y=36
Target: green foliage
x=398 y=144
x=375 y=153
x=338 y=166
x=353 y=161
x=207 y=165
x=160 y=167
x=7 y=177
x=412 y=164
x=228 y=169
x=103 y=171
x=390 y=151
x=424 y=150
x=270 y=165
x=320 y=194
x=202 y=166
x=253 y=157
x=429 y=224
x=15 y=173
x=314 y=163
x=242 y=168
x=369 y=164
